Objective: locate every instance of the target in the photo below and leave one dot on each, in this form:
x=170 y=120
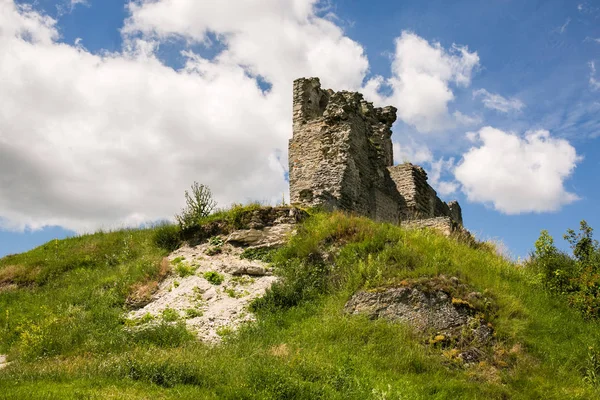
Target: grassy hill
x=63 y=326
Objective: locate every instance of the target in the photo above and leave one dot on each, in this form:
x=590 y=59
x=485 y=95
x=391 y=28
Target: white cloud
x=594 y=83
x=421 y=77
x=446 y=188
x=413 y=152
x=438 y=167
x=496 y=102
x=518 y=175
x=467 y=120
x=471 y=136
x=68 y=6
x=278 y=40
x=90 y=141
x=76 y=2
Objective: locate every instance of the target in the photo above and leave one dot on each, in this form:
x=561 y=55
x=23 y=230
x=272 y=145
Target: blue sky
x=115 y=108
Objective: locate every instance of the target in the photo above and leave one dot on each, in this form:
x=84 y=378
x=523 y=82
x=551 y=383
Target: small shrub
x=167 y=237
x=214 y=277
x=216 y=241
x=199 y=204
x=586 y=298
x=577 y=277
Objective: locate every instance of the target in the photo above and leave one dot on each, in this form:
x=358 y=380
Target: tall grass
x=302 y=346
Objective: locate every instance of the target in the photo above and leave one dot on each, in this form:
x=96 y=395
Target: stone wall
x=421 y=200
x=339 y=153
x=446 y=225
x=341 y=157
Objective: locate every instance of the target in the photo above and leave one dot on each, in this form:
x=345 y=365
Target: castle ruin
x=341 y=157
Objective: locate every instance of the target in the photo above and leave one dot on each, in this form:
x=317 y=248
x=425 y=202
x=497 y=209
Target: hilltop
x=66 y=331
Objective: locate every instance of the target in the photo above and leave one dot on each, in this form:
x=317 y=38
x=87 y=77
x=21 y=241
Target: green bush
x=167 y=237
x=214 y=277
x=586 y=298
x=576 y=277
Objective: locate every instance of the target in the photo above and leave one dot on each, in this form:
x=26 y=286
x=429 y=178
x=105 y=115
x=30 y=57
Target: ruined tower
x=341 y=157
x=340 y=152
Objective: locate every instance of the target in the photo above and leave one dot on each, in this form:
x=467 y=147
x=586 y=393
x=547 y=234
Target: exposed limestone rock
x=421 y=310
x=434 y=307
x=214 y=308
x=257 y=218
x=341 y=157
x=270 y=236
x=210 y=308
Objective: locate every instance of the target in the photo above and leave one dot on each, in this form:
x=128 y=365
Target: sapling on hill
x=199 y=204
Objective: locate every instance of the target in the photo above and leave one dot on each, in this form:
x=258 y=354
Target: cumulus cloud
x=422 y=75
x=278 y=40
x=89 y=141
x=496 y=102
x=518 y=174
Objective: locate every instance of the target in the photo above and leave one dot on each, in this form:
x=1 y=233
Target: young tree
x=199 y=204
x=585 y=248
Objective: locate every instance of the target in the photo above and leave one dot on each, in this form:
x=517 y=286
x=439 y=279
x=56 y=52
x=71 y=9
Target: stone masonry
x=341 y=158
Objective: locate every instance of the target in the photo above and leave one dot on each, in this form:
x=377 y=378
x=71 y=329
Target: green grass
x=65 y=330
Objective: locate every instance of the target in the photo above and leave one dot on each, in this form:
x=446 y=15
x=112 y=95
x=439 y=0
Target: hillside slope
x=63 y=324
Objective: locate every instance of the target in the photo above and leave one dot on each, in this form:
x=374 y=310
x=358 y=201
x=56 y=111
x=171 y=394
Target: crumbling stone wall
x=446 y=225
x=339 y=153
x=421 y=200
x=341 y=157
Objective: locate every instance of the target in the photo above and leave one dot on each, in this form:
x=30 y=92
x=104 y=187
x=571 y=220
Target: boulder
x=270 y=236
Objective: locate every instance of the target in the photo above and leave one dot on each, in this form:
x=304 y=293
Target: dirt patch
x=141 y=293
x=17 y=274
